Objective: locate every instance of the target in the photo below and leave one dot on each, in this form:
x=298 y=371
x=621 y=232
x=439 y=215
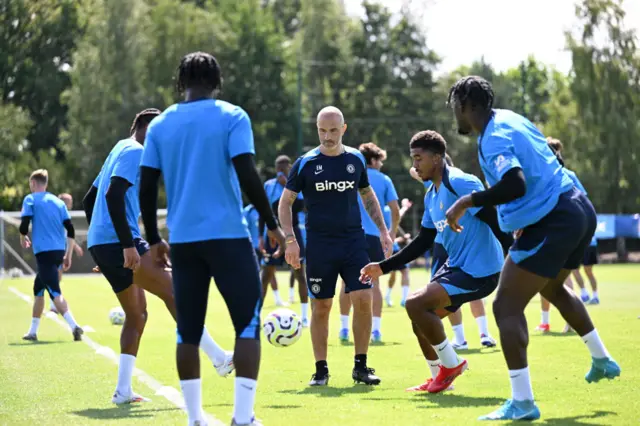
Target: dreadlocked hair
x=143 y=118
x=199 y=69
x=474 y=89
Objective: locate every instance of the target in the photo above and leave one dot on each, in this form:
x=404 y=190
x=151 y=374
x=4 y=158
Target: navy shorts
x=258 y=254
x=558 y=241
x=47 y=277
x=590 y=257
x=110 y=260
x=280 y=261
x=462 y=287
x=439 y=257
x=233 y=265
x=328 y=257
x=374 y=250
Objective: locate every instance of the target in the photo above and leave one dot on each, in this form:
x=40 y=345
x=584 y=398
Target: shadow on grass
x=576 y=420
x=37 y=343
x=283 y=407
x=328 y=391
x=121 y=412
x=350 y=343
x=445 y=400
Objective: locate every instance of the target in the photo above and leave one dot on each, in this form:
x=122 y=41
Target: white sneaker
x=282 y=304
x=201 y=422
x=487 y=341
x=305 y=322
x=254 y=422
x=460 y=346
x=133 y=398
x=227 y=366
x=389 y=302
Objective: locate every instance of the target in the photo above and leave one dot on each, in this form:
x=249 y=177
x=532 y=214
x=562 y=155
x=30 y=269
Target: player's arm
x=251 y=185
x=372 y=207
x=115 y=197
x=71 y=236
x=489 y=215
x=416 y=248
x=285 y=212
x=89 y=201
x=26 y=215
x=511 y=187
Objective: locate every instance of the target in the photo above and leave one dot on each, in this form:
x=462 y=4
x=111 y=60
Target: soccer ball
x=282 y=327
x=116 y=316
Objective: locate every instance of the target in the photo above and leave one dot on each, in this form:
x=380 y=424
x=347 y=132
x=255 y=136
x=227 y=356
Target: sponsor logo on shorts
x=315 y=287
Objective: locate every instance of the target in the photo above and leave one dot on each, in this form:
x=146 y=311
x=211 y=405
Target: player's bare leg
x=429 y=354
x=52 y=305
x=584 y=294
x=320 y=310
x=292 y=286
x=156 y=280
x=345 y=308
x=423 y=307
x=268 y=277
x=459 y=341
x=478 y=312
x=300 y=275
x=405 y=286
x=36 y=313
x=595 y=299
x=390 y=284
x=362 y=301
x=376 y=304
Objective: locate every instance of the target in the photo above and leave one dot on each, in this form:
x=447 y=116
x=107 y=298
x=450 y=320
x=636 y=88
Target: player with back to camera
x=114 y=241
x=204 y=149
x=553 y=221
x=50 y=219
x=330 y=177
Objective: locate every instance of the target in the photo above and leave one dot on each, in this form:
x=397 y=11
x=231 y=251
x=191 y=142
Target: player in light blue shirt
x=475 y=256
x=554 y=223
x=388 y=198
x=53 y=242
x=204 y=149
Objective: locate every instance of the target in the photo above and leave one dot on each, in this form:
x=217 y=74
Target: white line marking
x=169 y=393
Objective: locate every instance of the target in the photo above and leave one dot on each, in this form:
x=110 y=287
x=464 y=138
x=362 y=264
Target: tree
x=15 y=125
x=37 y=39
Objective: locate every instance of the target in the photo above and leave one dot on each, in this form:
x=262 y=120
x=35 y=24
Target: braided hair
x=199 y=69
x=474 y=89
x=143 y=118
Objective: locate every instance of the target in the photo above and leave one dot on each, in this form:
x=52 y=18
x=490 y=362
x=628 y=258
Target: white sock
x=125 y=373
x=292 y=293
x=376 y=324
x=521 y=389
x=344 y=321
x=434 y=366
x=584 y=292
x=483 y=327
x=276 y=295
x=192 y=393
x=244 y=400
x=388 y=296
x=68 y=317
x=458 y=333
x=447 y=354
x=215 y=353
x=595 y=345
x=405 y=292
x=304 y=310
x=35 y=323
x=594 y=294
x=545 y=317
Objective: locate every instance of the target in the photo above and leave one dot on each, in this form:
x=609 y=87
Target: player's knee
x=321 y=307
x=414 y=306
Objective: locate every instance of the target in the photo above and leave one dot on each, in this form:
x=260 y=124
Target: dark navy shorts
x=47 y=277
x=590 y=257
x=439 y=257
x=233 y=265
x=280 y=261
x=559 y=240
x=110 y=260
x=258 y=254
x=374 y=250
x=462 y=287
x=328 y=257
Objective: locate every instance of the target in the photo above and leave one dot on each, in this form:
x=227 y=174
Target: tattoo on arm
x=285 y=213
x=372 y=206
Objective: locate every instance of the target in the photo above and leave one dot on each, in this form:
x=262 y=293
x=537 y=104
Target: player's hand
x=277 y=240
x=96 y=269
x=387 y=244
x=78 y=250
x=456 y=211
x=370 y=272
x=160 y=253
x=25 y=242
x=517 y=233
x=131 y=258
x=66 y=263
x=292 y=254
x=406 y=203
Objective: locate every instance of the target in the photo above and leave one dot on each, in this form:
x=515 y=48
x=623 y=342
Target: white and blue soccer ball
x=116 y=316
x=282 y=327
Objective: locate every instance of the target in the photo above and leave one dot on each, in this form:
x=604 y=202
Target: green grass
x=58 y=381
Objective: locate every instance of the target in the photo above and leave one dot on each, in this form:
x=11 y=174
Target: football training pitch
x=61 y=382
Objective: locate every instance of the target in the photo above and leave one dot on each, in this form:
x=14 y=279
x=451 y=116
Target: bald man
x=330 y=178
